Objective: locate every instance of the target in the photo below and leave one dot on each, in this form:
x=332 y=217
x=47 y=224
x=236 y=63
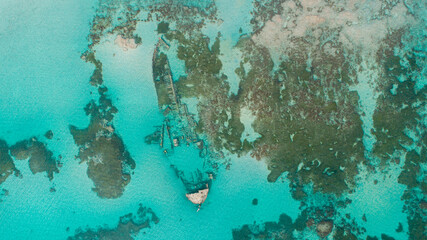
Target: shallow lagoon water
x=43 y=80
x=231 y=193
x=379 y=203
x=44 y=86
x=56 y=76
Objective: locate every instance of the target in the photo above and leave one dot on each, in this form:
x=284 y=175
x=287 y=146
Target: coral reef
x=7 y=167
x=40 y=158
x=304 y=75
x=219 y=113
x=49 y=134
x=400 y=120
x=307 y=117
x=109 y=163
x=128 y=226
x=270 y=230
x=96 y=78
x=400 y=105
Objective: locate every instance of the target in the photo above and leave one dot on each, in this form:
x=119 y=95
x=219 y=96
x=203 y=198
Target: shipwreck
x=198 y=197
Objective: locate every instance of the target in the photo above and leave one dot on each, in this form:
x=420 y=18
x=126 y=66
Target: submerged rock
x=255 y=201
x=48 y=134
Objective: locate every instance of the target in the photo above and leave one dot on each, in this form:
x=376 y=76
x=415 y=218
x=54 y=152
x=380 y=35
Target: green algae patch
x=40 y=158
x=7 y=167
x=109 y=163
x=107 y=166
x=127 y=228
x=20 y=150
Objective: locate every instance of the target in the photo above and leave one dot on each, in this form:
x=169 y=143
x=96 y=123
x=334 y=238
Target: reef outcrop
x=40 y=158
x=7 y=167
x=109 y=163
x=281 y=230
x=128 y=226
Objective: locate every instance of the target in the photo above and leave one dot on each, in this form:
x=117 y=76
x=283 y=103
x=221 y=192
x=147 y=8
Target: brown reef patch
x=282 y=230
x=128 y=226
x=109 y=163
x=7 y=167
x=40 y=158
x=305 y=115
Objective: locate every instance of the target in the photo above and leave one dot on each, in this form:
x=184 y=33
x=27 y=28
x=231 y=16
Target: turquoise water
x=44 y=85
x=42 y=76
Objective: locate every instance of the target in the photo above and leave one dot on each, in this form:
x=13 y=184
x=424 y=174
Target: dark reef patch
x=48 y=134
x=270 y=230
x=40 y=158
x=96 y=78
x=386 y=237
x=196 y=53
x=219 y=113
x=308 y=119
x=7 y=167
x=344 y=234
x=400 y=110
x=394 y=114
x=255 y=201
x=127 y=228
x=400 y=105
x=162 y=27
x=109 y=163
x=263 y=11
x=307 y=114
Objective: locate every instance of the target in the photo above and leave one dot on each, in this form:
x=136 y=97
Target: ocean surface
x=44 y=85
